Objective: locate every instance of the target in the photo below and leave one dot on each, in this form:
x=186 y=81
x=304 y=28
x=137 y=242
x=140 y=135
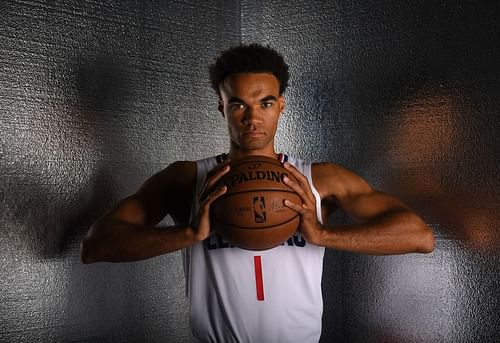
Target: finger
x=218 y=168
x=295 y=172
x=307 y=197
x=213 y=179
x=296 y=207
x=304 y=183
x=297 y=188
x=214 y=196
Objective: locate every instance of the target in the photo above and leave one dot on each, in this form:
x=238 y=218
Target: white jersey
x=238 y=295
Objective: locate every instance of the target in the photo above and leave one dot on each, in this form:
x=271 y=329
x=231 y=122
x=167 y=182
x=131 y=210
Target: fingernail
x=286 y=179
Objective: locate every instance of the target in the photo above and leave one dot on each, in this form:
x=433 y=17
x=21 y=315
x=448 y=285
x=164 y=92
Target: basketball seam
x=224 y=196
x=255 y=228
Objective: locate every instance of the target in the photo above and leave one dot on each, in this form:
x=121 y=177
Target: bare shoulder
x=334 y=180
x=178 y=176
x=168 y=192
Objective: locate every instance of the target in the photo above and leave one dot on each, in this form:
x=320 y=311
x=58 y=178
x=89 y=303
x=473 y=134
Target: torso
x=222 y=289
x=186 y=172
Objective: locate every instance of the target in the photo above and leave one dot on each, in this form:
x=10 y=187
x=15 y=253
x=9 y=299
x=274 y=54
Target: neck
x=235 y=153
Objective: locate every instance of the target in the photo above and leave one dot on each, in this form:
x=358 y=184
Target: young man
x=237 y=295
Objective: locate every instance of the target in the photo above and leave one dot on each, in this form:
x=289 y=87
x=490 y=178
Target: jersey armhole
x=308 y=174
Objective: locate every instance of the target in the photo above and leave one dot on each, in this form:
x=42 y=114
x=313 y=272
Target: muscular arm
x=121 y=236
x=383 y=224
x=394 y=230
x=129 y=232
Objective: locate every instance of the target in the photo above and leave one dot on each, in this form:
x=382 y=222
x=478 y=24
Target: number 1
x=259 y=282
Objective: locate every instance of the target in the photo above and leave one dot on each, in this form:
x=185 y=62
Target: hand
x=309 y=225
x=207 y=196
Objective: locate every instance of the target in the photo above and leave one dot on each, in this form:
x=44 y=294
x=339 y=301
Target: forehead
x=250 y=85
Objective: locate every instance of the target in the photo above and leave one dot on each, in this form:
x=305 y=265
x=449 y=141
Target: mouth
x=253 y=134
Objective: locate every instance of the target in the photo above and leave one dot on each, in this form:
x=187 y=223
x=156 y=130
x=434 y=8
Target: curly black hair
x=252 y=58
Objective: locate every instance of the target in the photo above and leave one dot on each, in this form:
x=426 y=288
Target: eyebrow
x=267 y=98
x=235 y=99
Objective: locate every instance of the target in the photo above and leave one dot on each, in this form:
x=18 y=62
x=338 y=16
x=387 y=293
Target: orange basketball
x=251 y=214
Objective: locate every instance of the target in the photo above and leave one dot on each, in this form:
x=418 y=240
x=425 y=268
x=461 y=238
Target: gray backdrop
x=95 y=96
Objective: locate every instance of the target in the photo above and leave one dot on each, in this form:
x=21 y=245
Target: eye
x=237 y=106
x=267 y=104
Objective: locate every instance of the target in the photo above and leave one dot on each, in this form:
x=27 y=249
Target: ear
x=281 y=102
x=220 y=107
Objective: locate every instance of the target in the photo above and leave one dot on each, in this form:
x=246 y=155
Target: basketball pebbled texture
x=251 y=214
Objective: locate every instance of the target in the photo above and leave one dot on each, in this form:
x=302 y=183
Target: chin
x=250 y=148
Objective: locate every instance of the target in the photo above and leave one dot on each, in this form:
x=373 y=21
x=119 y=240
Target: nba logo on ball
x=259 y=209
x=251 y=214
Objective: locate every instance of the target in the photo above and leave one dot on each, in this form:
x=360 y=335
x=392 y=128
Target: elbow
x=421 y=235
x=86 y=252
x=89 y=248
x=427 y=242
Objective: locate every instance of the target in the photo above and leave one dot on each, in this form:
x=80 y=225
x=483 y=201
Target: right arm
x=129 y=232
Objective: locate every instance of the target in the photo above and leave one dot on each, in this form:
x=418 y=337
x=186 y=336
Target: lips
x=253 y=133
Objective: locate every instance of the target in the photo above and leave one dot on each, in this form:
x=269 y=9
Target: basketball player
x=237 y=295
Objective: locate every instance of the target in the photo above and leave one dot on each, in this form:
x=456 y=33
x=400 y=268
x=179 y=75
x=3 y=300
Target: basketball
x=251 y=214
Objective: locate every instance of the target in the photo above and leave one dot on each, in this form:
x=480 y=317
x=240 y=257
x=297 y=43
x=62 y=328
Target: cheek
x=232 y=126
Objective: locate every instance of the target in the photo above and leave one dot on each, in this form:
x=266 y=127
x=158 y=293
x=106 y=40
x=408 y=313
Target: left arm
x=384 y=225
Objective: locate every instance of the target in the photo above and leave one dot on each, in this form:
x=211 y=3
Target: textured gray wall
x=406 y=94
x=95 y=96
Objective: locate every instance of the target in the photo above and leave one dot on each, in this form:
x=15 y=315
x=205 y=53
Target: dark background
x=95 y=96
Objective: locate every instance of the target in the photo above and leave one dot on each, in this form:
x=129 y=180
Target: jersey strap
x=221 y=158
x=282 y=158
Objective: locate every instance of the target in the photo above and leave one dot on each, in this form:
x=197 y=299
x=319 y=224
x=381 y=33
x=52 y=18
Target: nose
x=252 y=116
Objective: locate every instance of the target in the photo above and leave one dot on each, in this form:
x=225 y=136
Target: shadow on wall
x=74 y=180
x=54 y=222
x=449 y=164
